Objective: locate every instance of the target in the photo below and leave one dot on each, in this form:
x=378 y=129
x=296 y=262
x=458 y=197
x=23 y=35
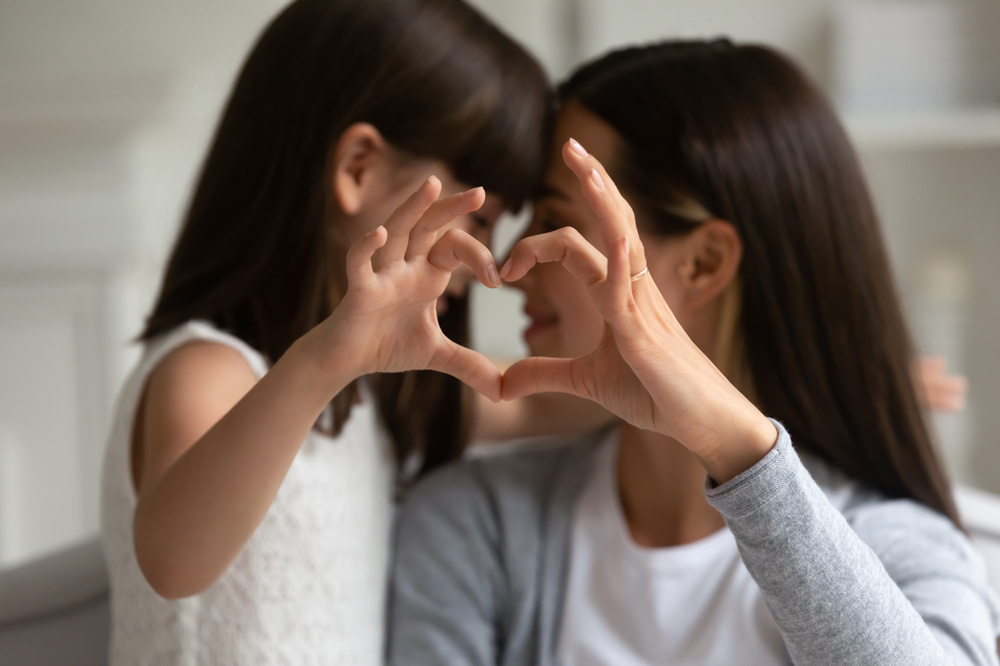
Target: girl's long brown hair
x=258 y=251
x=741 y=132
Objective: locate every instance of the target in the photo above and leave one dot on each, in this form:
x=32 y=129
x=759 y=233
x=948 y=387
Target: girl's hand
x=646 y=370
x=396 y=273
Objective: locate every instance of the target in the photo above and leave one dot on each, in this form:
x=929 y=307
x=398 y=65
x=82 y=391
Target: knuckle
x=570 y=234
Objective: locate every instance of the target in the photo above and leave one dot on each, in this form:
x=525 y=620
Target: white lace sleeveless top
x=309 y=586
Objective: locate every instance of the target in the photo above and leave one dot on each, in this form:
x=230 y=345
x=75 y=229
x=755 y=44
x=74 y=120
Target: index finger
x=616 y=215
x=403 y=219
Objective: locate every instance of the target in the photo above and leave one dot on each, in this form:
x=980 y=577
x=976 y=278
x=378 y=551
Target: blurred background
x=106 y=107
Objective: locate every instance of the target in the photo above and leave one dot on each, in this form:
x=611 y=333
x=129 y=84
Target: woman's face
x=563 y=321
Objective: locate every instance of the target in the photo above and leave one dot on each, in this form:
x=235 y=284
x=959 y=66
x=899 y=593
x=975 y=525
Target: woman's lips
x=540 y=322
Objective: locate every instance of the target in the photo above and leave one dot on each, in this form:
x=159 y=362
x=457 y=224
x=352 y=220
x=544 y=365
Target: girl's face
x=563 y=319
x=397 y=180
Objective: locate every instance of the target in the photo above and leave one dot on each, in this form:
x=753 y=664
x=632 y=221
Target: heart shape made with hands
x=645 y=369
x=398 y=270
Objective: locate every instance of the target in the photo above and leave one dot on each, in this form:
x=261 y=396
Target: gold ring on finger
x=641 y=274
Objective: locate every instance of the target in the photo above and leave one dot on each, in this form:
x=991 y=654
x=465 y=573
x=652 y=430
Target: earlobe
x=355 y=156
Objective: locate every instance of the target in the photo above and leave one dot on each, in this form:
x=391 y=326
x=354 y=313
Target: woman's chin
x=541 y=340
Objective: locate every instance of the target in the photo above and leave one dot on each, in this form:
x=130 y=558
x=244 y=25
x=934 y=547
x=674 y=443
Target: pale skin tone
x=645 y=349
x=641 y=349
x=211 y=445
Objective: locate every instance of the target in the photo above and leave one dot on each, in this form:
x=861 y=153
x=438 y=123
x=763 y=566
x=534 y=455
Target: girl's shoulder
x=199 y=331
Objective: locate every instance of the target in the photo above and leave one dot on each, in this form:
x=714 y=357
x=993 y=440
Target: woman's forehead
x=594 y=133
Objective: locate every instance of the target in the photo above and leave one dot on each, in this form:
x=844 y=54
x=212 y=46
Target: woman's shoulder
x=900 y=530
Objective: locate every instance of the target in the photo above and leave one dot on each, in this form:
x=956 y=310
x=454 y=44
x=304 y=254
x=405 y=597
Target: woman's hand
x=396 y=273
x=646 y=370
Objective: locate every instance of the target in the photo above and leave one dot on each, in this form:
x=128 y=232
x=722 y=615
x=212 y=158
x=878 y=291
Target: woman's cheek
x=580 y=324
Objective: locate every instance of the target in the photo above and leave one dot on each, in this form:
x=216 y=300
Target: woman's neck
x=662 y=489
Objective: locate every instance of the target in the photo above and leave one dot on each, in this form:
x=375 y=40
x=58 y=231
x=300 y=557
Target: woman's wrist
x=741 y=449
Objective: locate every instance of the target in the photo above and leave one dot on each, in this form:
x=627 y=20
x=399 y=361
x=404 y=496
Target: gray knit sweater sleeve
x=888 y=582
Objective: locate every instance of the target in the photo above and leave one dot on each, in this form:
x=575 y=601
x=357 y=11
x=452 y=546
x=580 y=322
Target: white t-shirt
x=626 y=605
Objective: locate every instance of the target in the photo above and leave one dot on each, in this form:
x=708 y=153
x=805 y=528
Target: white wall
x=105 y=109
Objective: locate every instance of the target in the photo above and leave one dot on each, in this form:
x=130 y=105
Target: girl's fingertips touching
x=577 y=148
x=597 y=180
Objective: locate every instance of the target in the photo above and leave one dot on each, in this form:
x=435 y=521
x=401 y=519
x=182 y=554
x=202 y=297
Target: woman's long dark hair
x=738 y=133
x=258 y=254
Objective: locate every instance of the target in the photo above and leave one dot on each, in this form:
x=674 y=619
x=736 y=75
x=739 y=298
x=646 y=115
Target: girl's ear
x=712 y=258
x=356 y=158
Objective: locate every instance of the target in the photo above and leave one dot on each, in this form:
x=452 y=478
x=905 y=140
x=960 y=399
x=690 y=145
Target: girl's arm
x=212 y=445
x=215 y=447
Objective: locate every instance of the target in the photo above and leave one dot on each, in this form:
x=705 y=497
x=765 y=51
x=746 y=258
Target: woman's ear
x=356 y=158
x=712 y=258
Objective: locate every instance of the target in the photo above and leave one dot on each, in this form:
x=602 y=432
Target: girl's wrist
x=324 y=361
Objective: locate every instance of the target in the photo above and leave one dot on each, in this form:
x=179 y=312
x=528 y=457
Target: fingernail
x=432 y=179
x=596 y=177
x=491 y=273
x=505 y=270
x=577 y=148
x=472 y=192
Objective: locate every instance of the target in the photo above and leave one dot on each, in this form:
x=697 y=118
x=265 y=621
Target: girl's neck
x=662 y=489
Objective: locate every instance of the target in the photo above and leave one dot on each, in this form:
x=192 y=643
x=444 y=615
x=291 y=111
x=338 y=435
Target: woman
x=739 y=274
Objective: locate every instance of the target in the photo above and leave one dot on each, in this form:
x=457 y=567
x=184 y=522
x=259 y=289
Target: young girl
x=249 y=476
x=746 y=280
